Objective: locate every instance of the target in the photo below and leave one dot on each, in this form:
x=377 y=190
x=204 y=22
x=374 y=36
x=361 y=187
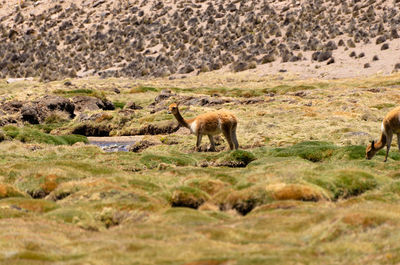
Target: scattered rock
x=12 y=106
x=385 y=46
x=165 y=94
x=301 y=94
x=141 y=145
x=331 y=61
x=203 y=101
x=91 y=103
x=97 y=39
x=380 y=39
x=32 y=113
x=351 y=44
x=97 y=3
x=54 y=103
x=132 y=105
x=240 y=66
x=269 y=58
x=186 y=69
x=321 y=56
x=331 y=45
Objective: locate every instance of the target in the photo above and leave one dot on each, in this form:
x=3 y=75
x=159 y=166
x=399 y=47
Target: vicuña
x=210 y=124
x=390 y=125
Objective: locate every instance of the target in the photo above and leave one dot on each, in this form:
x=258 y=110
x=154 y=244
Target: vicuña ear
x=373 y=144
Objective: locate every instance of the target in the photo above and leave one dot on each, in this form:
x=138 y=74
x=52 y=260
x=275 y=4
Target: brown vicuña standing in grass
x=210 y=124
x=390 y=125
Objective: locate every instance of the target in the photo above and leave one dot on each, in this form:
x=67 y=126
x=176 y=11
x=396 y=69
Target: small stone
x=350 y=43
x=385 y=46
x=132 y=105
x=240 y=66
x=380 y=39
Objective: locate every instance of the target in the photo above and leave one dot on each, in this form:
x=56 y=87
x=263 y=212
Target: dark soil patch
x=154 y=129
x=91 y=129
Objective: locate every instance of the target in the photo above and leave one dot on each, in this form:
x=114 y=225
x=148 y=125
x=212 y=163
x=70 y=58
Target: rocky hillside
x=140 y=38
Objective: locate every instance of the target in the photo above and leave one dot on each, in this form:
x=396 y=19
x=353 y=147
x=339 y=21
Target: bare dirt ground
x=122 y=38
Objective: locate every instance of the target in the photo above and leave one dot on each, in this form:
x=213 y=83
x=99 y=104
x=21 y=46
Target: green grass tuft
x=119 y=104
x=143 y=89
x=313 y=151
x=190 y=197
x=237 y=158
x=153 y=160
x=352 y=152
x=283 y=89
x=80 y=92
x=345 y=183
x=383 y=106
x=71 y=215
x=30 y=135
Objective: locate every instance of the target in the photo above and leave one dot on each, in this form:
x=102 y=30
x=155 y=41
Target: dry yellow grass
x=309 y=203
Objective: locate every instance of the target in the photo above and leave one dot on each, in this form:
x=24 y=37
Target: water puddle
x=114 y=144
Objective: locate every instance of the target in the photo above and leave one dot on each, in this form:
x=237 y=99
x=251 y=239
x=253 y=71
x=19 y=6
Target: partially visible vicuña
x=210 y=124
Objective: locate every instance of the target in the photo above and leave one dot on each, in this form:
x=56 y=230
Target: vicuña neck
x=381 y=143
x=181 y=120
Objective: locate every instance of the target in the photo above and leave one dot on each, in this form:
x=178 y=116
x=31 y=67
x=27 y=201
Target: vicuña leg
x=389 y=142
x=212 y=148
x=226 y=130
x=398 y=141
x=199 y=136
x=233 y=136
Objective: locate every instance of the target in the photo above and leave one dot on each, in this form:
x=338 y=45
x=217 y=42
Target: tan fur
x=210 y=124
x=390 y=125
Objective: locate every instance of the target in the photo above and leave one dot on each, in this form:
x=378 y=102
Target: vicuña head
x=210 y=124
x=390 y=125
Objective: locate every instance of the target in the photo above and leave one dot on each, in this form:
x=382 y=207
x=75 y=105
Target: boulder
x=53 y=103
x=32 y=114
x=91 y=103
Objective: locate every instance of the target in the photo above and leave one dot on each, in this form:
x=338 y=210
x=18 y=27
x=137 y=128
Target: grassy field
x=305 y=196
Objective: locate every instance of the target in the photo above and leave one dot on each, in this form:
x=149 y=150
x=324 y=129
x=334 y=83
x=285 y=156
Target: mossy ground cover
x=32 y=135
x=301 y=191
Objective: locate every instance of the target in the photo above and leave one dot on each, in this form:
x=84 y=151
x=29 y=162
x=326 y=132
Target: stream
x=114 y=144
